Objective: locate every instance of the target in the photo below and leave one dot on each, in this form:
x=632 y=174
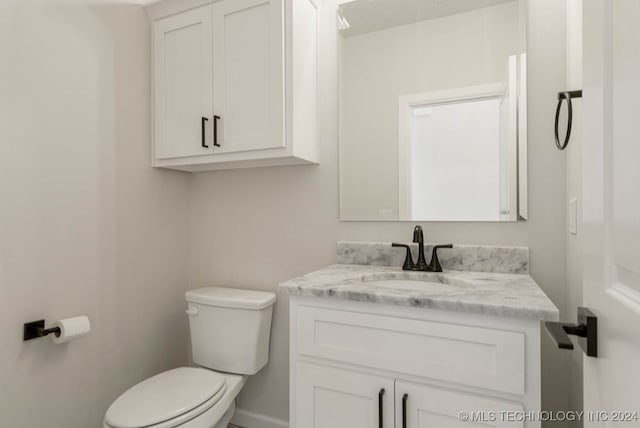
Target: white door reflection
x=456 y=164
x=457 y=154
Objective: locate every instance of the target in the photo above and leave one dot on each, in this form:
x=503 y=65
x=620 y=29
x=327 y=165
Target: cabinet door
x=423 y=406
x=328 y=397
x=248 y=74
x=183 y=79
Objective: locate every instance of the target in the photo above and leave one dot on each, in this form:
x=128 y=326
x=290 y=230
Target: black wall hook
x=35 y=329
x=568 y=95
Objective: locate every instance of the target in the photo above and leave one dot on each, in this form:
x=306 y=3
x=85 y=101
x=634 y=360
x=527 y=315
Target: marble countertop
x=498 y=294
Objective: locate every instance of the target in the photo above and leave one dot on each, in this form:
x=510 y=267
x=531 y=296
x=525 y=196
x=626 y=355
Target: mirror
x=432 y=110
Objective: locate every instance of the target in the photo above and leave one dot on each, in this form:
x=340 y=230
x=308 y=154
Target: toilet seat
x=167 y=399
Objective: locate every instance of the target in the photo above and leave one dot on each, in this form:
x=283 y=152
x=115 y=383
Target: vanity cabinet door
x=248 y=96
x=183 y=79
x=328 y=397
x=424 y=406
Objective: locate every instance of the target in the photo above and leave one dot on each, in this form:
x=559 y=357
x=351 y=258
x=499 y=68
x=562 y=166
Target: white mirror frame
x=523 y=148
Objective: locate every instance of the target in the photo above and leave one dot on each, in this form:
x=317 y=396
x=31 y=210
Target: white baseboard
x=247 y=419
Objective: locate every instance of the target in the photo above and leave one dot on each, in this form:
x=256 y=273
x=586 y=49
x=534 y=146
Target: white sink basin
x=407 y=280
x=409 y=284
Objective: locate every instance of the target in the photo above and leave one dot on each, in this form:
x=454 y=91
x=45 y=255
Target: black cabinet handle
x=404 y=410
x=203 y=123
x=380 y=418
x=215 y=130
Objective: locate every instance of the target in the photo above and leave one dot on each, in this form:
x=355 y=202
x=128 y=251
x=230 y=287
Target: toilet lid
x=164 y=396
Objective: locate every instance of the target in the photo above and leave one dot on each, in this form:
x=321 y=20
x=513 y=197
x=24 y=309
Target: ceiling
x=365 y=16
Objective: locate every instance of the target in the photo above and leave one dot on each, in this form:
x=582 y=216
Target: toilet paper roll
x=71 y=328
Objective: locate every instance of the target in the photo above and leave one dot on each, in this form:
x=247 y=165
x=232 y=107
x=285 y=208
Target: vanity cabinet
x=357 y=364
x=235 y=83
x=330 y=397
x=424 y=406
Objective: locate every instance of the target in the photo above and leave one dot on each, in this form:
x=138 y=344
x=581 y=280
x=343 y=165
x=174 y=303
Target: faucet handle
x=434 y=265
x=408 y=260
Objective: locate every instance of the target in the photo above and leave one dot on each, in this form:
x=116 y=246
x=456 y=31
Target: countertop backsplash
x=470 y=258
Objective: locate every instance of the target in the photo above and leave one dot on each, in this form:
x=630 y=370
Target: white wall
x=86 y=226
x=471 y=48
x=256 y=228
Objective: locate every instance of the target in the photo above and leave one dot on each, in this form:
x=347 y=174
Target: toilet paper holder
x=35 y=329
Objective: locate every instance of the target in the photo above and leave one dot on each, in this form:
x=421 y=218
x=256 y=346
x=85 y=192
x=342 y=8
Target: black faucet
x=418 y=238
x=421 y=265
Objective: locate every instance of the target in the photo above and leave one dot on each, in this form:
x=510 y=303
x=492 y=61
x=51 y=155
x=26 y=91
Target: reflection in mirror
x=466 y=155
x=432 y=104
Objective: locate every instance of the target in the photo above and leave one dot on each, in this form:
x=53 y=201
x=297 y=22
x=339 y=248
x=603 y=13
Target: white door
x=424 y=406
x=183 y=79
x=328 y=397
x=611 y=210
x=248 y=74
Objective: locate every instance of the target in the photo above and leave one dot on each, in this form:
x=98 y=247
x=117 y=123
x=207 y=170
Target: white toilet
x=230 y=331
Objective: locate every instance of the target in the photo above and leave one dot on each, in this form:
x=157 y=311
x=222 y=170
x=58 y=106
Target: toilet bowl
x=230 y=331
x=185 y=397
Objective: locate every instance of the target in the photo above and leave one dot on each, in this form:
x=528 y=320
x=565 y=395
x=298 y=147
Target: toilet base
x=226 y=419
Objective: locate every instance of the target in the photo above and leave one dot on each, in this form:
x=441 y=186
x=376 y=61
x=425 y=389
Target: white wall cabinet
x=235 y=83
x=183 y=61
x=356 y=364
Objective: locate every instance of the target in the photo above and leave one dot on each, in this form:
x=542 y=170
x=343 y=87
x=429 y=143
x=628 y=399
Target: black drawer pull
x=404 y=410
x=215 y=130
x=380 y=418
x=203 y=124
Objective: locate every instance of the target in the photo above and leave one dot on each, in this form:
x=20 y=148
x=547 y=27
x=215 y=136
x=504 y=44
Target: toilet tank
x=230 y=328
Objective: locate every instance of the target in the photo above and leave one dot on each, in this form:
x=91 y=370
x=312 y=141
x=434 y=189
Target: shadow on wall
x=94 y=230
